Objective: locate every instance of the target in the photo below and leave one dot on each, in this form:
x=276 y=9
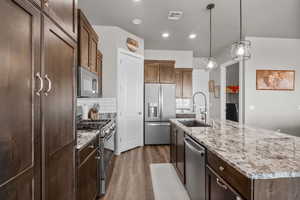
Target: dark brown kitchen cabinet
x=64 y=13
x=87 y=174
x=19 y=116
x=173 y=152
x=100 y=73
x=159 y=71
x=58 y=112
x=88 y=44
x=93 y=54
x=180 y=154
x=151 y=72
x=177 y=151
x=218 y=189
x=167 y=72
x=184 y=82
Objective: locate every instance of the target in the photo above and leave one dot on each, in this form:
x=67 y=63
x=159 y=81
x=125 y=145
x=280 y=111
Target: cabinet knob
x=221 y=168
x=46 y=3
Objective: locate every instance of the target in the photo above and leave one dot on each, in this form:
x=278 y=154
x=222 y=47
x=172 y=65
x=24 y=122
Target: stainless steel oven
x=88 y=83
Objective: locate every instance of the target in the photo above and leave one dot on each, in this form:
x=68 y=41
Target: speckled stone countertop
x=84 y=137
x=256 y=153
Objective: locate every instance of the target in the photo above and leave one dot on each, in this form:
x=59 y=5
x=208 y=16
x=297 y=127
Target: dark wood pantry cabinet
x=37 y=82
x=19 y=108
x=58 y=113
x=63 y=13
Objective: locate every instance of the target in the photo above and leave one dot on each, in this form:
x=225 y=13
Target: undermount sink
x=193 y=123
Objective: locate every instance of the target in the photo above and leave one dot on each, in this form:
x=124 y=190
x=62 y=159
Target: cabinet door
x=64 y=13
x=173 y=145
x=87 y=178
x=58 y=113
x=187 y=84
x=84 y=44
x=93 y=54
x=99 y=66
x=19 y=107
x=180 y=155
x=151 y=74
x=178 y=82
x=218 y=189
x=167 y=72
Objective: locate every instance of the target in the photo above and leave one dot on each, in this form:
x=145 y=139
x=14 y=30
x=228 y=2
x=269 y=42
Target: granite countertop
x=256 y=153
x=84 y=137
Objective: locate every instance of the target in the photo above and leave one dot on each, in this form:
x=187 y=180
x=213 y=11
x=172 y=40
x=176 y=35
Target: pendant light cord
x=241 y=21
x=210 y=35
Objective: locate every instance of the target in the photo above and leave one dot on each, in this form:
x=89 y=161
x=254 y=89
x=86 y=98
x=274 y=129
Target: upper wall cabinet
x=158 y=71
x=88 y=44
x=184 y=82
x=64 y=13
x=99 y=67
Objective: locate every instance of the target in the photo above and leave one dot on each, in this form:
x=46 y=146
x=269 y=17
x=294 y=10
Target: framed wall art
x=275 y=80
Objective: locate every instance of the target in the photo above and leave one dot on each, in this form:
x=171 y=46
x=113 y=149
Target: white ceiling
x=264 y=18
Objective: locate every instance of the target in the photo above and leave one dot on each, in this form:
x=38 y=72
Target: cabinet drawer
x=237 y=180
x=86 y=151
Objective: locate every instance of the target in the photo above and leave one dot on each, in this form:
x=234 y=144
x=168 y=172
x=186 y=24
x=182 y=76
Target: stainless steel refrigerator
x=160 y=106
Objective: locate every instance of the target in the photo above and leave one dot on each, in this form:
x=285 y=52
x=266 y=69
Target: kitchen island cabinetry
x=240 y=165
x=177 y=151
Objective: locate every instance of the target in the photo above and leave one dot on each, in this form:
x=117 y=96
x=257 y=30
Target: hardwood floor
x=131 y=179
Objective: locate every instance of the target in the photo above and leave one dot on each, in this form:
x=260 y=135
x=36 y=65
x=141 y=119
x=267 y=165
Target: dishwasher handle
x=191 y=145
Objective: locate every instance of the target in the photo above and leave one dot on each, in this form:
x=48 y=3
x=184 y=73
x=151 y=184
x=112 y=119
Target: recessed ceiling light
x=175 y=15
x=136 y=0
x=137 y=21
x=165 y=35
x=192 y=36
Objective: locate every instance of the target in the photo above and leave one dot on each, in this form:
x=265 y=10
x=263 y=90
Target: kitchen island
x=254 y=163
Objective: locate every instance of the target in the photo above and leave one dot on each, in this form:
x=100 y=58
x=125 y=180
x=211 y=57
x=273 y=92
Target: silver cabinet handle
x=49 y=85
x=38 y=75
x=222 y=185
x=46 y=2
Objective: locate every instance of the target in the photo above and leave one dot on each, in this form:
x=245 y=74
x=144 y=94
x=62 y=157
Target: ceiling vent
x=175 y=15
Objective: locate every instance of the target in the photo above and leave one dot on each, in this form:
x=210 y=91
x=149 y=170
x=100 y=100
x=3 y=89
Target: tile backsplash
x=105 y=105
x=183 y=104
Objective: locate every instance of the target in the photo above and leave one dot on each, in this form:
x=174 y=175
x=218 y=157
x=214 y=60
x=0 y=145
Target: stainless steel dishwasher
x=195 y=169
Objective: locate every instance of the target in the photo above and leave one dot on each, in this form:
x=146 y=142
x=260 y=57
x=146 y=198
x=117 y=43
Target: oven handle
x=110 y=135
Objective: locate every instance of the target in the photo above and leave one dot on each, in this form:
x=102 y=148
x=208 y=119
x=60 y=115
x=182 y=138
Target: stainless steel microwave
x=88 y=83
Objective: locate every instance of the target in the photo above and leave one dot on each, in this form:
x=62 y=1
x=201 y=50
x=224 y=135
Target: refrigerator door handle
x=159 y=124
x=160 y=102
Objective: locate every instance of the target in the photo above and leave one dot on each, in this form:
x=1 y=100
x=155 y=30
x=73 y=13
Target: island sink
x=193 y=123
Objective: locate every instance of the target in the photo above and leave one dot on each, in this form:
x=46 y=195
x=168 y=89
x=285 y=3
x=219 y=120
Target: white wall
x=110 y=39
x=273 y=109
x=184 y=59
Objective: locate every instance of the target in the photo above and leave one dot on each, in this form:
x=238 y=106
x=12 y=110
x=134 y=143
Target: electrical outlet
x=252 y=107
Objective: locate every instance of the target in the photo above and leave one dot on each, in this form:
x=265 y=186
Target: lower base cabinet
x=218 y=189
x=87 y=188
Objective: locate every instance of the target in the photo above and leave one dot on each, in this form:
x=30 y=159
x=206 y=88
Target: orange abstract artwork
x=275 y=79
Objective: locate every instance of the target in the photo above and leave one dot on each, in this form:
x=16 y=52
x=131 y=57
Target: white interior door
x=130 y=100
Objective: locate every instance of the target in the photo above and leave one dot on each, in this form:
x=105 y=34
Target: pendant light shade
x=241 y=50
x=211 y=62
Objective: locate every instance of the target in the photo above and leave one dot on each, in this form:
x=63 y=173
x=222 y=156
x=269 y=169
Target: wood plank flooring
x=131 y=178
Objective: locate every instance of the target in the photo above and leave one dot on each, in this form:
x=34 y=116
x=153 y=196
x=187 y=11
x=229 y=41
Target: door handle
x=49 y=85
x=222 y=185
x=46 y=3
x=38 y=76
x=190 y=146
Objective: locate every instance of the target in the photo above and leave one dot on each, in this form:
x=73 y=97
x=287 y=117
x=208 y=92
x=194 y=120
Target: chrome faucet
x=205 y=101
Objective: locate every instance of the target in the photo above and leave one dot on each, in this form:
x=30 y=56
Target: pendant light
x=211 y=62
x=241 y=50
